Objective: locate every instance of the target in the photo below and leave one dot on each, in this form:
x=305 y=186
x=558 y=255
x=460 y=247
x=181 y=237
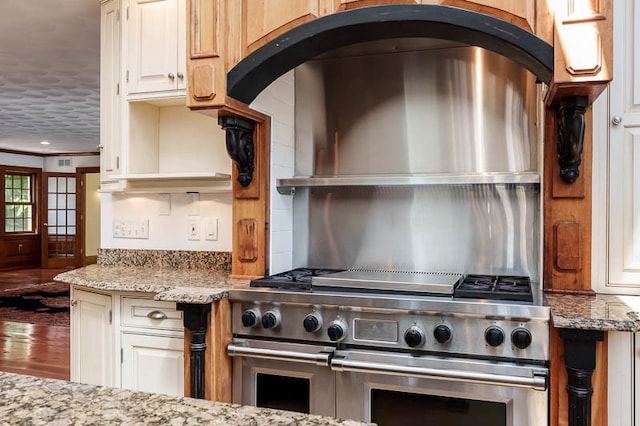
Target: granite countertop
x=35 y=401
x=195 y=286
x=604 y=312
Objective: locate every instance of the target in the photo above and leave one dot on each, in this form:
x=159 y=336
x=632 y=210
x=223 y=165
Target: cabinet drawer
x=141 y=312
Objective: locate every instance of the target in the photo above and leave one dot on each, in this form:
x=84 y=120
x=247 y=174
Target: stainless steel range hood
x=416 y=155
x=414 y=106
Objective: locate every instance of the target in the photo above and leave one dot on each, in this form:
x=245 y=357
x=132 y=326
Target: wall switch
x=211 y=229
x=193 y=230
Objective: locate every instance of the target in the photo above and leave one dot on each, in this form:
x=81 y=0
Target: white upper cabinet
x=110 y=140
x=616 y=250
x=156 y=42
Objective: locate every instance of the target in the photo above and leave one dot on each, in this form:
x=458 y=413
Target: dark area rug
x=46 y=304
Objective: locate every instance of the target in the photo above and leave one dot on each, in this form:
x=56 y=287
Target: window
x=18 y=202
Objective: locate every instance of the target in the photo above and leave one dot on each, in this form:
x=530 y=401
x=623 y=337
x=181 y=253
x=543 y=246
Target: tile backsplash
x=170 y=259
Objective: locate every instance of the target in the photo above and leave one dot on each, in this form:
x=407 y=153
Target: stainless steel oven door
x=400 y=389
x=285 y=376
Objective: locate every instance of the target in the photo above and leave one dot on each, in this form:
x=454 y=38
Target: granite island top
x=195 y=286
x=35 y=401
x=604 y=312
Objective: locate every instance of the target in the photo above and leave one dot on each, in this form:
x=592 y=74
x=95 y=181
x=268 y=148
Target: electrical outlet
x=135 y=229
x=118 y=229
x=211 y=229
x=193 y=230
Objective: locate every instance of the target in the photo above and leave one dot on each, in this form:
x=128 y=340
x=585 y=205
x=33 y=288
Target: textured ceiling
x=50 y=75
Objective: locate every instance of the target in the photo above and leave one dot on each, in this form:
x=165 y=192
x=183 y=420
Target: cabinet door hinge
x=127 y=76
x=110 y=316
x=127 y=13
x=121 y=355
x=117 y=88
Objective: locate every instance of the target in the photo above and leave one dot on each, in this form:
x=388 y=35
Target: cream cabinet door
x=624 y=149
x=92 y=334
x=110 y=145
x=153 y=363
x=156 y=42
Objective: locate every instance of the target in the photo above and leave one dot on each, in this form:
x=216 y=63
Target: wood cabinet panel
x=263 y=20
x=92 y=338
x=623 y=117
x=521 y=13
x=153 y=363
x=213 y=46
x=156 y=42
x=19 y=251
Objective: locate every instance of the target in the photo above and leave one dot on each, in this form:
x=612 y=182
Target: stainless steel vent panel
x=463 y=109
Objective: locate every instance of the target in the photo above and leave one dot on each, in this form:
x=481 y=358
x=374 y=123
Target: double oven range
x=394 y=348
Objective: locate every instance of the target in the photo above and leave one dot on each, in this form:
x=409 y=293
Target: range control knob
x=414 y=336
x=337 y=330
x=270 y=319
x=494 y=336
x=521 y=338
x=442 y=333
x=312 y=323
x=250 y=318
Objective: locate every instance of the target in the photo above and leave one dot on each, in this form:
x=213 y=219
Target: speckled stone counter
x=193 y=286
x=27 y=400
x=602 y=312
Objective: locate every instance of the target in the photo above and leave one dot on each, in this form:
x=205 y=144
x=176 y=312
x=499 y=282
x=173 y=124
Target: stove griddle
x=389 y=281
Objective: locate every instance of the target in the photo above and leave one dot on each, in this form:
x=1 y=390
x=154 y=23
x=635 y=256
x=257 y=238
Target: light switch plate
x=211 y=229
x=193 y=230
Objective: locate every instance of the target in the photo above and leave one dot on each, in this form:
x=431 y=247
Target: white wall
x=168 y=230
x=51 y=163
x=7 y=159
x=278 y=101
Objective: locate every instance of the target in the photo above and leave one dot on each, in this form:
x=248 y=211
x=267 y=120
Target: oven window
x=389 y=408
x=284 y=393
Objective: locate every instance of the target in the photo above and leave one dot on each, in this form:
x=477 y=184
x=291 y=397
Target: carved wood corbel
x=239 y=141
x=570 y=141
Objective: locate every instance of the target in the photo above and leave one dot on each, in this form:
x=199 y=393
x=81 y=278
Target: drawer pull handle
x=158 y=315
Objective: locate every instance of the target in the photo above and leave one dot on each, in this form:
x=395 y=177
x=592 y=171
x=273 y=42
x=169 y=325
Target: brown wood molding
x=218 y=377
x=251 y=203
x=567 y=217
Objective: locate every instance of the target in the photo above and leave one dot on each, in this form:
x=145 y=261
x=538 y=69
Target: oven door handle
x=320 y=358
x=537 y=380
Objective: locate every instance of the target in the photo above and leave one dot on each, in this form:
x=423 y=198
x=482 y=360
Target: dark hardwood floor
x=33 y=349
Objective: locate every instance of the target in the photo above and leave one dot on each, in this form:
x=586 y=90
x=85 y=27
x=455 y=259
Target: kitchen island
x=35 y=401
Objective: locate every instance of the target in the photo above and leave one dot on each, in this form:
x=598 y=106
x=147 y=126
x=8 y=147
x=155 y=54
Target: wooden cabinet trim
x=204 y=29
x=251 y=75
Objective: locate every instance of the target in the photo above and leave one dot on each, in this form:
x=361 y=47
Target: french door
x=60 y=241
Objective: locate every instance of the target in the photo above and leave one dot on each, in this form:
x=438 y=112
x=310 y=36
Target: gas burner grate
x=296 y=279
x=497 y=287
